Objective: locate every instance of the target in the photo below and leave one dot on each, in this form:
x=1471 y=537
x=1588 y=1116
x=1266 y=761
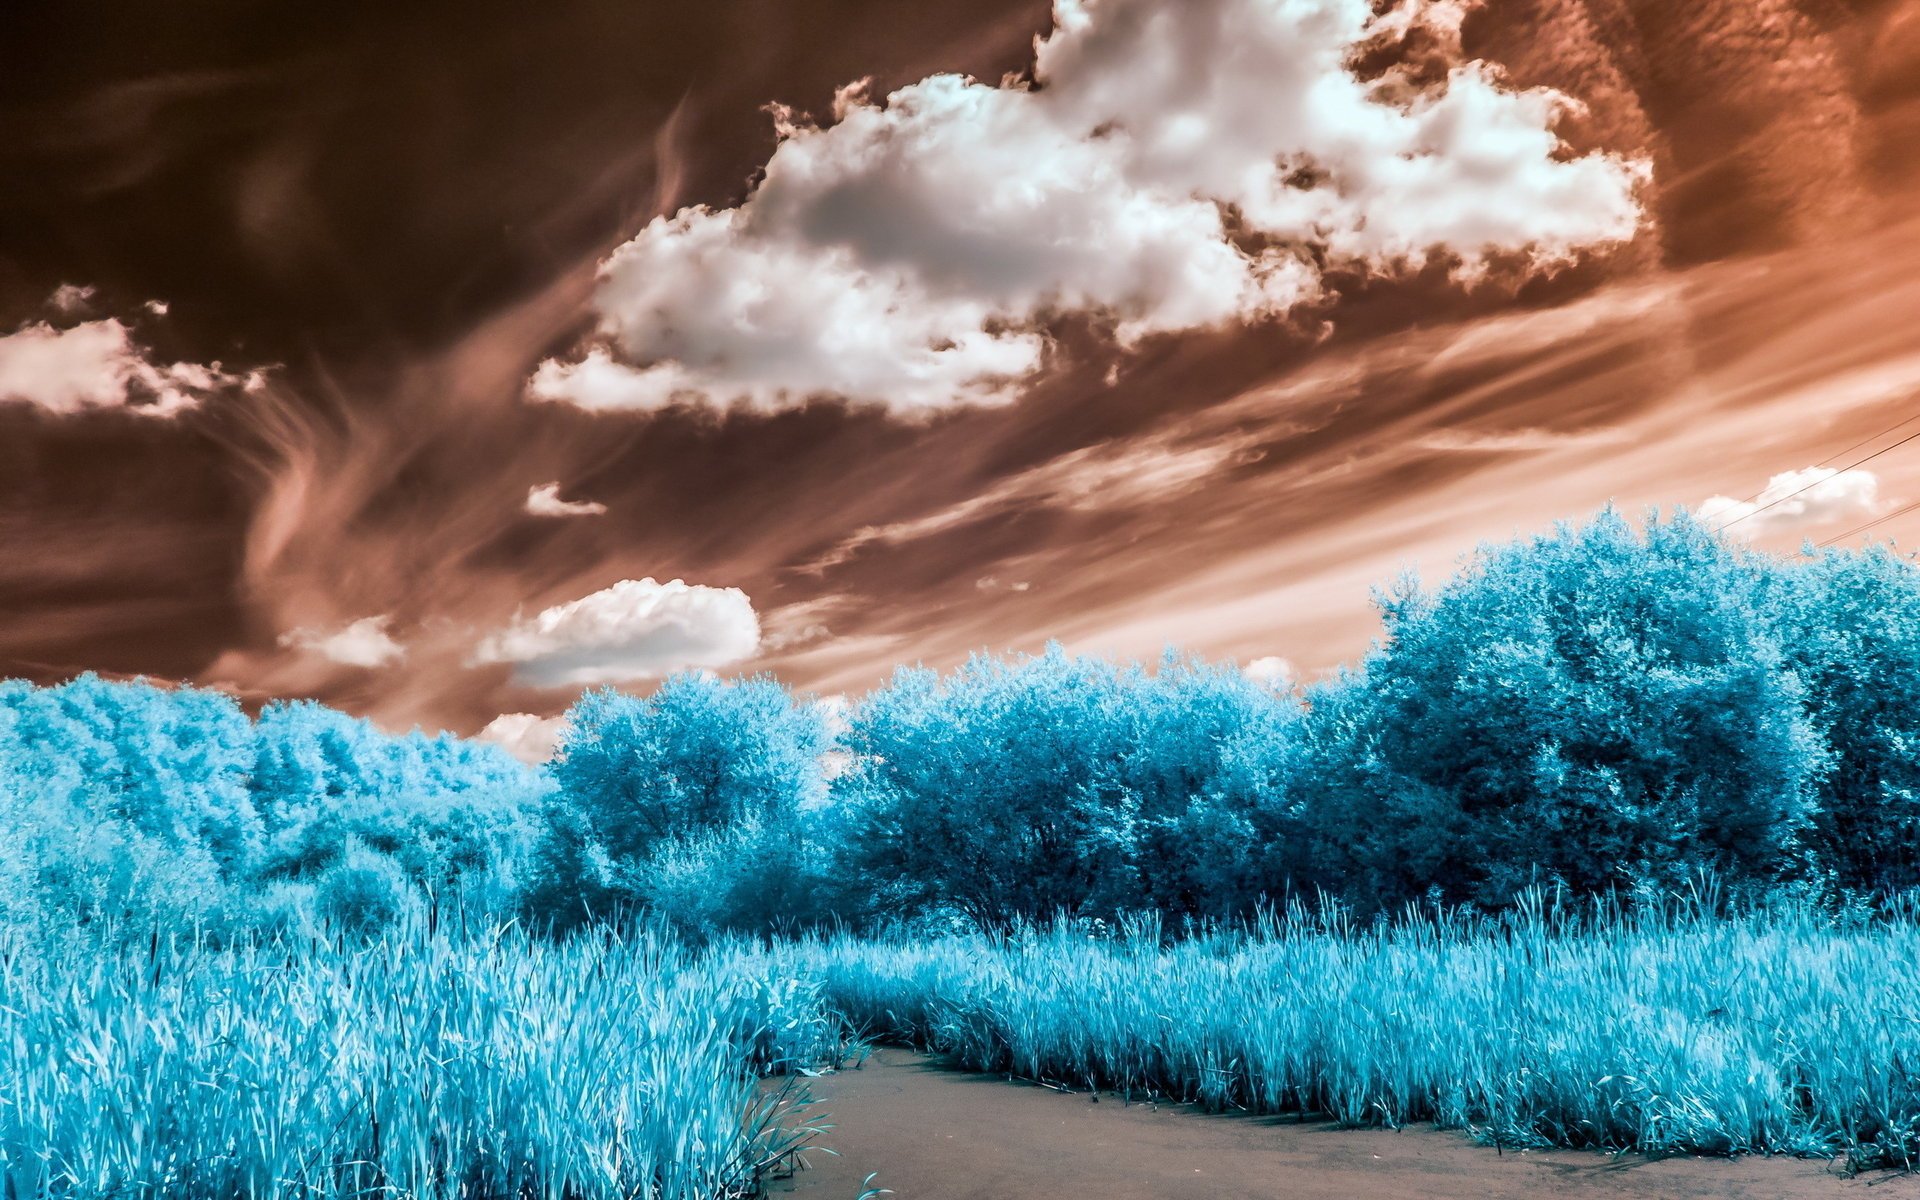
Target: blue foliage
x=1850 y=625
x=1605 y=708
x=125 y=804
x=1595 y=708
x=1059 y=783
x=443 y=807
x=687 y=792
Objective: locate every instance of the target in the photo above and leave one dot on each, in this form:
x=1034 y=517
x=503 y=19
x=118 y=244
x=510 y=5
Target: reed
x=1774 y=1032
x=424 y=1064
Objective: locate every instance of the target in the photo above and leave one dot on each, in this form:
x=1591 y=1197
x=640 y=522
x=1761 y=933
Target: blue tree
x=1592 y=707
x=127 y=800
x=667 y=777
x=1030 y=786
x=445 y=810
x=1849 y=626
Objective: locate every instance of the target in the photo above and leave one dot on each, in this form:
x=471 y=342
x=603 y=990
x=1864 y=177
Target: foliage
x=697 y=771
x=1591 y=708
x=421 y=1064
x=1850 y=632
x=1603 y=708
x=128 y=805
x=1060 y=783
x=442 y=807
x=1671 y=1030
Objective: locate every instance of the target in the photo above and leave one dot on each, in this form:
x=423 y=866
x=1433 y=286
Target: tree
x=442 y=808
x=1590 y=707
x=698 y=756
x=1849 y=627
x=125 y=802
x=1033 y=786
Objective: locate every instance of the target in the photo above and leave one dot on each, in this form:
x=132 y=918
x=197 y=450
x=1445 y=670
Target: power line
x=1872 y=437
x=1816 y=483
x=1898 y=512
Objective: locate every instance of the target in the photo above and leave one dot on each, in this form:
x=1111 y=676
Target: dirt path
x=934 y=1134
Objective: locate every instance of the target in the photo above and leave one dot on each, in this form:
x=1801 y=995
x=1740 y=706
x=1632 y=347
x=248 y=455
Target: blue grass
x=421 y=1065
x=431 y=1064
x=1777 y=1033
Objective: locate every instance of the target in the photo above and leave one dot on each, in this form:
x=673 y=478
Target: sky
x=440 y=363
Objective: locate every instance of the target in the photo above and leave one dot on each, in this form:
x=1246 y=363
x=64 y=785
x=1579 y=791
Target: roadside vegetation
x=423 y=1063
x=1609 y=841
x=1665 y=1030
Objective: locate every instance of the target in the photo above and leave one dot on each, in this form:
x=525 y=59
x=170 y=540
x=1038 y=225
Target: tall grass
x=1776 y=1032
x=509 y=1067
x=423 y=1065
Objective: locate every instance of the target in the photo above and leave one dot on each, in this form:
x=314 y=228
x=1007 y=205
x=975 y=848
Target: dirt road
x=934 y=1134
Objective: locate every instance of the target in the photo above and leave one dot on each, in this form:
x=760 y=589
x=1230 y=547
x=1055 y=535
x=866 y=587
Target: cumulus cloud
x=1792 y=499
x=544 y=501
x=527 y=736
x=1271 y=670
x=635 y=630
x=362 y=643
x=1170 y=167
x=98 y=365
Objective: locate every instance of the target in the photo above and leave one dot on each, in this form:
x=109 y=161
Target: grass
x=424 y=1065
x=1773 y=1033
x=435 y=1066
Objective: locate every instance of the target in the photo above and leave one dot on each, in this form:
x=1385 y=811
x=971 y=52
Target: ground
x=933 y=1134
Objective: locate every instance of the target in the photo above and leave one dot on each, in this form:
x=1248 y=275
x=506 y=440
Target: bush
x=364 y=892
x=1035 y=786
x=667 y=778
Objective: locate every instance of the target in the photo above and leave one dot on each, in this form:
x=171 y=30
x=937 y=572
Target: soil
x=930 y=1133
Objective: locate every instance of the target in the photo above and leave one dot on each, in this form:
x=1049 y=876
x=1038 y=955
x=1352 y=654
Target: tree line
x=1604 y=708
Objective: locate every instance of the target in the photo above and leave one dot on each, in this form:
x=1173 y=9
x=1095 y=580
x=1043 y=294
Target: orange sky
x=400 y=222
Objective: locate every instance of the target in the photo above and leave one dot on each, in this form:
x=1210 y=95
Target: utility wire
x=1816 y=483
x=1841 y=537
x=1872 y=437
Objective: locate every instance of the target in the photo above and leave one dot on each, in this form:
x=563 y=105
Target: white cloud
x=98 y=365
x=1272 y=670
x=837 y=711
x=1180 y=166
x=1812 y=496
x=993 y=583
x=157 y=307
x=634 y=630
x=544 y=501
x=362 y=643
x=71 y=298
x=526 y=736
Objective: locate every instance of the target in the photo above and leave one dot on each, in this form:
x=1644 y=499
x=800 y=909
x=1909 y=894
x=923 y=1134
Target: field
x=423 y=1065
x=430 y=1063
x=1778 y=1033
